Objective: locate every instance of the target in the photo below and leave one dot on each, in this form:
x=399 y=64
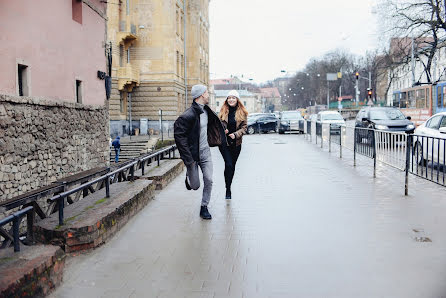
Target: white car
x=330 y=117
x=430 y=140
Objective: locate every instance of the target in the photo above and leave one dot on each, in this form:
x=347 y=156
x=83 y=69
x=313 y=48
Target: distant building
x=150 y=62
x=250 y=100
x=53 y=117
x=271 y=99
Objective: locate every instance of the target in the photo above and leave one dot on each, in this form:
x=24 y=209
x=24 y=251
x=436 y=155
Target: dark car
x=262 y=122
x=384 y=118
x=290 y=121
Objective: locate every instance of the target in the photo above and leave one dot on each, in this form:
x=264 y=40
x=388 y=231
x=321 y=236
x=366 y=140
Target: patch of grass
x=5 y=259
x=67 y=220
x=161 y=144
x=100 y=201
x=88 y=208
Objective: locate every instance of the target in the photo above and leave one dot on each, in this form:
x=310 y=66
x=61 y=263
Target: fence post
x=61 y=206
x=107 y=184
x=142 y=167
x=258 y=127
x=30 y=217
x=329 y=139
x=408 y=149
x=132 y=172
x=374 y=153
x=15 y=229
x=316 y=132
x=158 y=159
x=322 y=136
x=340 y=143
x=354 y=147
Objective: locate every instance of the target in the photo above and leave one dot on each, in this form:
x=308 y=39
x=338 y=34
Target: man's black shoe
x=228 y=194
x=204 y=213
x=187 y=184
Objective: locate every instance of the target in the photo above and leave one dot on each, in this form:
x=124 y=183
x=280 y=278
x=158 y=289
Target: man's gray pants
x=193 y=176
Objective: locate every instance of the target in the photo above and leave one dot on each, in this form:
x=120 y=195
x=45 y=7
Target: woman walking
x=234 y=116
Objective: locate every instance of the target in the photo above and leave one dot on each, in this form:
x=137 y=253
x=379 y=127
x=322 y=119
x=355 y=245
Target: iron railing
x=126 y=172
x=421 y=156
x=62 y=196
x=427 y=158
x=16 y=219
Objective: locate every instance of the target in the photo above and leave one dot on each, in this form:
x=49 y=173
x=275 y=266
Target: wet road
x=302 y=223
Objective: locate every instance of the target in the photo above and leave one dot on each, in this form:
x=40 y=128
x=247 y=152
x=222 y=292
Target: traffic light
x=357 y=75
x=369 y=92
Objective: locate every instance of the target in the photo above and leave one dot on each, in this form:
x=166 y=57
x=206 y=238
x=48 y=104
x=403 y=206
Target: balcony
x=128 y=77
x=127 y=30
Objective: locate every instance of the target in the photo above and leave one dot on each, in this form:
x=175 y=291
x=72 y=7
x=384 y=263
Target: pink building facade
x=53 y=112
x=53 y=49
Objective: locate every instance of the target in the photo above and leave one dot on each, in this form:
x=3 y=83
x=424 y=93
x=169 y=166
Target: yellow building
x=159 y=47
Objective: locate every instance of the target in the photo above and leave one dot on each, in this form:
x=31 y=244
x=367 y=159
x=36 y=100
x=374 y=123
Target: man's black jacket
x=187 y=132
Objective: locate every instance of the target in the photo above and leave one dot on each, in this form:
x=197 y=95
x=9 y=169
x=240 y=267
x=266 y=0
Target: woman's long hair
x=241 y=114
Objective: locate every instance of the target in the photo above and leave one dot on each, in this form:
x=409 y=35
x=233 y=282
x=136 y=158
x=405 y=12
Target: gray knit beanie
x=198 y=90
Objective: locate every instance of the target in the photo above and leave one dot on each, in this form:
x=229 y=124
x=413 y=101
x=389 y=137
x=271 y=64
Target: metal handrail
x=15 y=218
x=140 y=161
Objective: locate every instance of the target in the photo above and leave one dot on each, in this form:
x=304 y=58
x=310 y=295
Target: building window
x=22 y=80
x=218 y=103
x=78 y=91
x=178 y=22
x=182 y=66
x=181 y=25
x=244 y=103
x=121 y=55
x=128 y=55
x=76 y=10
x=127 y=6
x=121 y=102
x=178 y=63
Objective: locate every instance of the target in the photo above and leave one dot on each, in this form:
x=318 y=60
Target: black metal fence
x=427 y=157
x=301 y=126
x=126 y=173
x=13 y=236
x=65 y=196
x=422 y=156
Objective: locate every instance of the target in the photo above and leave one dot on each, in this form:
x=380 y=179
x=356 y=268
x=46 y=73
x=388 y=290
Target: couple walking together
x=198 y=129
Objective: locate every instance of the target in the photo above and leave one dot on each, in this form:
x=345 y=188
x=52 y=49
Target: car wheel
x=281 y=131
x=418 y=153
x=251 y=130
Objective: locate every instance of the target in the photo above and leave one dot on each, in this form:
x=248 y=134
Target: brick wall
x=42 y=141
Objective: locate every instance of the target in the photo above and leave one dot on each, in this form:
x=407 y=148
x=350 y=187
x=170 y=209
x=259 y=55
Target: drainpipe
x=185 y=53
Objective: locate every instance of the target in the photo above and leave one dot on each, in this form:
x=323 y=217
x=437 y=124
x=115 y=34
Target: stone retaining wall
x=42 y=141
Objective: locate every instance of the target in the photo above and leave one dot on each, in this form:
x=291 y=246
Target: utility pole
x=412 y=60
x=357 y=88
x=185 y=54
x=328 y=94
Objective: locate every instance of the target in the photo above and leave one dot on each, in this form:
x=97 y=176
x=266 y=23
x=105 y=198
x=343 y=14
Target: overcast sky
x=258 y=38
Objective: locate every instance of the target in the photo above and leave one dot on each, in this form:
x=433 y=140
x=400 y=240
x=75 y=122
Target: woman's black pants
x=230 y=155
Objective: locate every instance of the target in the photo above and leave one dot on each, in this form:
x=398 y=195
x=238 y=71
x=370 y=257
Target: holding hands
x=232 y=136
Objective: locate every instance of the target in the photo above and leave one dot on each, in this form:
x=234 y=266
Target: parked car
x=430 y=150
x=384 y=118
x=290 y=121
x=333 y=118
x=263 y=122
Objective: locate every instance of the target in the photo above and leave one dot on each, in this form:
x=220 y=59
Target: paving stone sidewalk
x=302 y=223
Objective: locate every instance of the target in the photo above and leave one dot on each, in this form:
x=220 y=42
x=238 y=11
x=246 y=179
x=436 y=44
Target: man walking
x=197 y=129
x=117 y=145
